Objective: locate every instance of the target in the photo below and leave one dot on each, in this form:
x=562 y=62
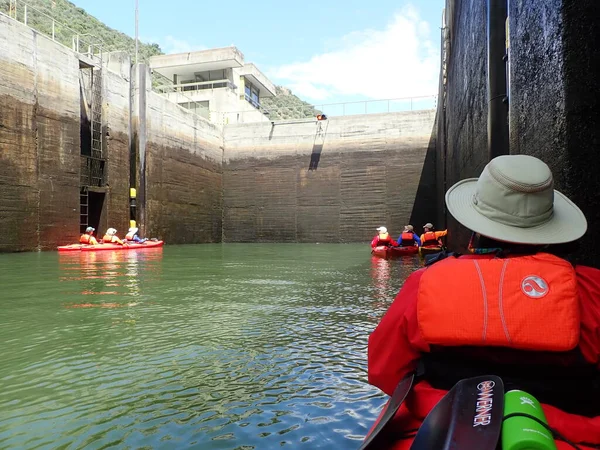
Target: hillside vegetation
x=70 y=20
x=286 y=105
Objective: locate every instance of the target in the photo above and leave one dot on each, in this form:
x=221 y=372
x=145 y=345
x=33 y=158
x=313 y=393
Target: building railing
x=44 y=23
x=165 y=86
x=196 y=86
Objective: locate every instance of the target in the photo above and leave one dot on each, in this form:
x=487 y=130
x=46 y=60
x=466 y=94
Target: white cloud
x=399 y=61
x=170 y=44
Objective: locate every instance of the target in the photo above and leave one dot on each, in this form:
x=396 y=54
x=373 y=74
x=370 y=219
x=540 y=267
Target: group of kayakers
x=408 y=237
x=516 y=307
x=110 y=237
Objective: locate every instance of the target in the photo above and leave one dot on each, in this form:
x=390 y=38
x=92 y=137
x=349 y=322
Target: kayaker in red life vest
x=512 y=308
x=382 y=238
x=430 y=237
x=408 y=238
x=111 y=237
x=88 y=237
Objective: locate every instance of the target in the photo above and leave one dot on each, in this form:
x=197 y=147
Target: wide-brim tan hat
x=513 y=200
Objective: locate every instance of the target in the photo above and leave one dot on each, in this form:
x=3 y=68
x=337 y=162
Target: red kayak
x=99 y=247
x=394 y=252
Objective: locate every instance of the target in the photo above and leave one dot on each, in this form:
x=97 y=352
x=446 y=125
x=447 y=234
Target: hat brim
x=567 y=223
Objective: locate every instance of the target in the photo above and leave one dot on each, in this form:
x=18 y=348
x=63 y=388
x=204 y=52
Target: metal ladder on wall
x=96 y=121
x=83 y=209
x=96 y=161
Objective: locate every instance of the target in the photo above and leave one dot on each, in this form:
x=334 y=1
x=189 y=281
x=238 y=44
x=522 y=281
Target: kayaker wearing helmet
x=132 y=236
x=111 y=237
x=88 y=237
x=408 y=238
x=382 y=238
x=513 y=308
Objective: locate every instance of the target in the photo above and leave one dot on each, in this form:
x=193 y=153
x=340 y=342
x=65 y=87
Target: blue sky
x=325 y=51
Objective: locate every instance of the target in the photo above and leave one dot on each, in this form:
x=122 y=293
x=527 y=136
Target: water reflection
x=225 y=347
x=112 y=273
x=380 y=274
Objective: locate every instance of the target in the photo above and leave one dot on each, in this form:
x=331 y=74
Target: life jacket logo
x=534 y=286
x=483 y=405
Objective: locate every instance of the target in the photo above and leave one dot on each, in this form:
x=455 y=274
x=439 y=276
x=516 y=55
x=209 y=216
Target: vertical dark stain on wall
x=315 y=157
x=425 y=206
x=319 y=142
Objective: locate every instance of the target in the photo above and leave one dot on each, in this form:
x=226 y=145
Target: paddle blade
x=391 y=408
x=468 y=417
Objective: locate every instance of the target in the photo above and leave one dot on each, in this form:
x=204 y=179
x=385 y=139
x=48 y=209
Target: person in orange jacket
x=88 y=237
x=111 y=237
x=430 y=237
x=382 y=238
x=514 y=307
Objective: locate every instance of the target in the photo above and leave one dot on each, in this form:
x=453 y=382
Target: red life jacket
x=85 y=239
x=408 y=239
x=501 y=302
x=429 y=239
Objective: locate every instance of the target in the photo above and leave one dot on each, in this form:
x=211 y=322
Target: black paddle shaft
x=391 y=409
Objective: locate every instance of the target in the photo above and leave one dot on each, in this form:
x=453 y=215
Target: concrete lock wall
x=365 y=172
x=184 y=174
x=39 y=140
x=554 y=112
x=41 y=117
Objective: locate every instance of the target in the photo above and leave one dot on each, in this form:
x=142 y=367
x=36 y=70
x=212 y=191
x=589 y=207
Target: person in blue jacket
x=132 y=236
x=408 y=238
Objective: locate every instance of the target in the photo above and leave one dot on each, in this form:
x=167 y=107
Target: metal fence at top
x=379 y=106
x=307 y=111
x=44 y=23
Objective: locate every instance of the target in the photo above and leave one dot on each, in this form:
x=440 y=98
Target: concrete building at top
x=217 y=84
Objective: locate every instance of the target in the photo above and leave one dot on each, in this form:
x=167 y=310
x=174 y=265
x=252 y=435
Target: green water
x=228 y=346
